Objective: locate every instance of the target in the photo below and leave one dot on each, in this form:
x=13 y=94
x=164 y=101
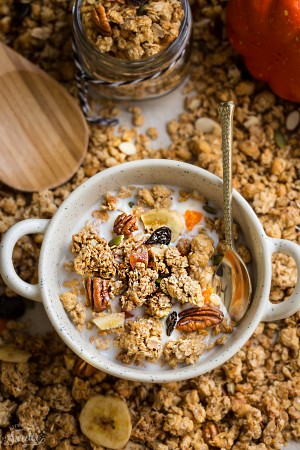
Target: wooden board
x=43 y=134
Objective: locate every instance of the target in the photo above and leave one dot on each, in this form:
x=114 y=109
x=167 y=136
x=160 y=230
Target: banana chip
x=106 y=421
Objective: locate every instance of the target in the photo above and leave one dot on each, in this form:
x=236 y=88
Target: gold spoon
x=232 y=275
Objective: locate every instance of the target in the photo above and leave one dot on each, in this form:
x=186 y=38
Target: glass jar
x=120 y=79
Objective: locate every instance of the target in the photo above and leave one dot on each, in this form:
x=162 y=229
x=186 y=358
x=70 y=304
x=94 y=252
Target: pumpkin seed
x=292 y=120
x=209 y=209
x=131 y=204
x=279 y=139
x=116 y=241
x=158 y=280
x=142 y=10
x=216 y=259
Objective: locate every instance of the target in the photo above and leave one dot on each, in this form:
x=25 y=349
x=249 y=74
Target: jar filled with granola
x=132 y=49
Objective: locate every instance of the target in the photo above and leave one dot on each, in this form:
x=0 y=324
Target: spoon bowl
x=232 y=281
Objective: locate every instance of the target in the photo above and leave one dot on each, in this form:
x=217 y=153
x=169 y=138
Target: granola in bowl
x=139 y=282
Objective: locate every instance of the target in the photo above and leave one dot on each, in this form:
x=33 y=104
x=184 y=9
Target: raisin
x=160 y=236
x=11 y=308
x=171 y=322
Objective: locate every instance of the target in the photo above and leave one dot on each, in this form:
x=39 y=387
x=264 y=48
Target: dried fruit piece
x=10 y=353
x=207 y=294
x=197 y=319
x=105 y=420
x=97 y=297
x=100 y=20
x=125 y=224
x=114 y=242
x=171 y=322
x=192 y=218
x=209 y=209
x=83 y=369
x=160 y=236
x=110 y=321
x=210 y=431
x=157 y=218
x=138 y=257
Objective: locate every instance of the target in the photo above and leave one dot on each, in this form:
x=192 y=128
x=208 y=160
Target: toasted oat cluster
x=147 y=285
x=131 y=29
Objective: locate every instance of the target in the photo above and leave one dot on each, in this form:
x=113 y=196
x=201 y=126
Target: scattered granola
x=168 y=416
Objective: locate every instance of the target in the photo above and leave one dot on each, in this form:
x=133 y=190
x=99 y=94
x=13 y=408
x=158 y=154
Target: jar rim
x=165 y=53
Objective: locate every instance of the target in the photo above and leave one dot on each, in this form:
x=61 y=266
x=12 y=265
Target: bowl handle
x=292 y=304
x=7 y=270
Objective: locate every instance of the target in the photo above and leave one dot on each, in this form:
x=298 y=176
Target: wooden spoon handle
x=225 y=111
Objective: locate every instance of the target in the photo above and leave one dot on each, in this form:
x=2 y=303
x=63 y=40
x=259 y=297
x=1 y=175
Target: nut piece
x=100 y=20
x=196 y=319
x=97 y=297
x=210 y=431
x=184 y=246
x=83 y=369
x=125 y=224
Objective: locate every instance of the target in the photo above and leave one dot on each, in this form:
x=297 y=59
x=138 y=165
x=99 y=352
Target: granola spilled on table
x=252 y=401
x=131 y=29
x=147 y=285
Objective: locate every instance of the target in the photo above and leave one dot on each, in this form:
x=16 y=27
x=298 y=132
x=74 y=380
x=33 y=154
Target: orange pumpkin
x=267 y=34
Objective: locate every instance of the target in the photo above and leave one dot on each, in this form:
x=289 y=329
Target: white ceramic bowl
x=58 y=234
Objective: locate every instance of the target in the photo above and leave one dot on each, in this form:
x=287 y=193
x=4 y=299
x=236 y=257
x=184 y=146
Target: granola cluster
x=131 y=30
x=139 y=285
x=252 y=401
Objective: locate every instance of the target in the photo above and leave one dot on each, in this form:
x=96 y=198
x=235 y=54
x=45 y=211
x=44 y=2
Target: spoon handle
x=225 y=111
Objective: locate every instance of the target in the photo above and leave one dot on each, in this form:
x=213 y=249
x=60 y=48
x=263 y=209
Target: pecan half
x=210 y=431
x=83 y=369
x=196 y=319
x=125 y=224
x=97 y=297
x=100 y=20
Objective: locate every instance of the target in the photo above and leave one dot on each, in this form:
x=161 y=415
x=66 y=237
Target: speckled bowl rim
x=131 y=373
